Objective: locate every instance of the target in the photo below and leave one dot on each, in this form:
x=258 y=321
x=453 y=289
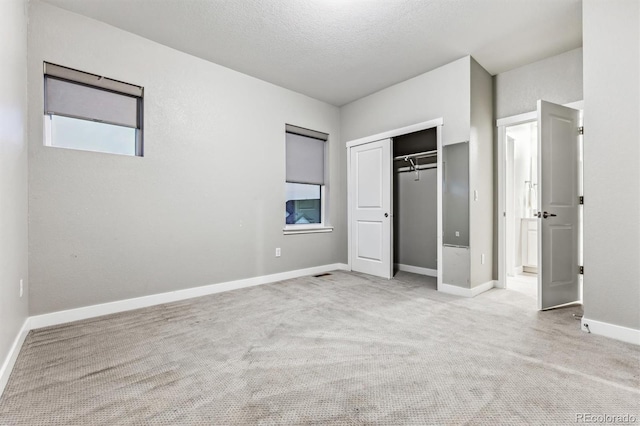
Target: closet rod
x=417 y=155
x=411 y=169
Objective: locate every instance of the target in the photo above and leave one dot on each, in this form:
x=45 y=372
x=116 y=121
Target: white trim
x=305 y=229
x=518 y=270
x=46 y=126
x=349 y=207
x=517 y=119
x=397 y=132
x=439 y=230
x=466 y=292
x=482 y=288
x=618 y=332
x=532 y=116
x=12 y=356
x=76 y=314
x=417 y=270
x=502 y=216
x=575 y=105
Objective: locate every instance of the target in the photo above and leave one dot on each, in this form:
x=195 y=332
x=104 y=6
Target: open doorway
x=371 y=169
x=540 y=204
x=521 y=207
x=415 y=203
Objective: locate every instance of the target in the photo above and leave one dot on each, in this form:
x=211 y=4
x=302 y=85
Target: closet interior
x=415 y=206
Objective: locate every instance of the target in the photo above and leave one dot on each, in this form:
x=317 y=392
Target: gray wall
x=455 y=194
x=481 y=211
x=206 y=202
x=13 y=171
x=611 y=154
x=555 y=79
x=416 y=220
x=455 y=215
x=443 y=92
x=456 y=269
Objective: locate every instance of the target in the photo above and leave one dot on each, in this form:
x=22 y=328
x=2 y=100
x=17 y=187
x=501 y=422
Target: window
x=91 y=113
x=305 y=188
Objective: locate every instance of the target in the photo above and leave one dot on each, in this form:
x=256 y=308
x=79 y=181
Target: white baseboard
x=417 y=270
x=482 y=288
x=61 y=317
x=10 y=360
x=466 y=292
x=618 y=332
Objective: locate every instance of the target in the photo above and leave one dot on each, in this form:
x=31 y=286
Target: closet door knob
x=546 y=215
x=386 y=215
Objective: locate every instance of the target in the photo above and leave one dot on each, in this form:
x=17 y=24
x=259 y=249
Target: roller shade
x=305 y=159
x=306 y=132
x=93 y=80
x=80 y=101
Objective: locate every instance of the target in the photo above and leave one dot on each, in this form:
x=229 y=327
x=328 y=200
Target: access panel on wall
x=455 y=193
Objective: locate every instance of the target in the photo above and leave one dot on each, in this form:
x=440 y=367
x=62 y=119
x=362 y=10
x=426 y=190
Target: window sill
x=306 y=229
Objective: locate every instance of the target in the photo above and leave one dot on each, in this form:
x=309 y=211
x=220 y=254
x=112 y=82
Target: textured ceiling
x=341 y=50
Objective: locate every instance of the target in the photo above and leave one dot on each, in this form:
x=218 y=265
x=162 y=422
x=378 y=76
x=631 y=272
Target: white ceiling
x=341 y=50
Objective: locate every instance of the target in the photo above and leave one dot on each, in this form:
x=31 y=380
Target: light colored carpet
x=341 y=349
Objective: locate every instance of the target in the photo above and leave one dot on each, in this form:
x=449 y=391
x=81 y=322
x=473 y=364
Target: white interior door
x=371 y=208
x=558 y=205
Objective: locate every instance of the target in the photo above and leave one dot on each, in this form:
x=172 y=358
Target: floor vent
x=321 y=275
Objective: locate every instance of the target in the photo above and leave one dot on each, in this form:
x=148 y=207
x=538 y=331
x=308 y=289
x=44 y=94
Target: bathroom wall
x=523 y=173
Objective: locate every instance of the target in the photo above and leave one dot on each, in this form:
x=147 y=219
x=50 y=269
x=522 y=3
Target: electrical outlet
x=482 y=258
x=21 y=287
x=457 y=233
x=278 y=252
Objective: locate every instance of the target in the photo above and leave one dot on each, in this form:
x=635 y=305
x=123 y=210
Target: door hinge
x=581 y=130
x=581 y=270
x=581 y=199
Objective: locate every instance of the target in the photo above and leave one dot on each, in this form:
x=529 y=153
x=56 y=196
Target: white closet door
x=371 y=208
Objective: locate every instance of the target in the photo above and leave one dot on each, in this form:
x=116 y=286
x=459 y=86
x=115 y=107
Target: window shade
x=79 y=101
x=306 y=132
x=94 y=80
x=305 y=159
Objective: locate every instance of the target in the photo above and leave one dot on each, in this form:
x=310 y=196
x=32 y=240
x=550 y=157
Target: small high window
x=305 y=179
x=91 y=113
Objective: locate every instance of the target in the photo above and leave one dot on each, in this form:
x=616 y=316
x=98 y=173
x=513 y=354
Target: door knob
x=386 y=215
x=546 y=215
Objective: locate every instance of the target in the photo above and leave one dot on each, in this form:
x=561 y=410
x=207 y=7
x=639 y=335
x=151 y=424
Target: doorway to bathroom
x=521 y=155
x=540 y=197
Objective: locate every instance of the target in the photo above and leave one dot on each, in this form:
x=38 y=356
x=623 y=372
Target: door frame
x=502 y=125
x=437 y=123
